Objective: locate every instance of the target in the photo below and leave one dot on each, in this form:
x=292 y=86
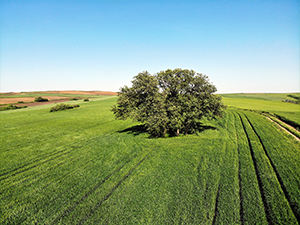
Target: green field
x=273 y=103
x=81 y=166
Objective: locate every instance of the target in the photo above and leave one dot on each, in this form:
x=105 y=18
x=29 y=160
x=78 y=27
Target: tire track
x=38 y=174
x=70 y=209
x=287 y=195
x=51 y=183
x=282 y=127
x=31 y=167
x=239 y=174
x=43 y=158
x=260 y=184
x=112 y=191
x=216 y=206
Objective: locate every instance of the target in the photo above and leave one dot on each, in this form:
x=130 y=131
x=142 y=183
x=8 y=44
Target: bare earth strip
x=281 y=127
x=82 y=92
x=58 y=99
x=29 y=99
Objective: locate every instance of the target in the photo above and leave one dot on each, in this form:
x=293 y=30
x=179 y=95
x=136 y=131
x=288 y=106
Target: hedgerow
x=10 y=107
x=62 y=106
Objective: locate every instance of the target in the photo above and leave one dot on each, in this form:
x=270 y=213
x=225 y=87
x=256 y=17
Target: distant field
x=288 y=112
x=55 y=93
x=81 y=166
x=264 y=96
x=58 y=96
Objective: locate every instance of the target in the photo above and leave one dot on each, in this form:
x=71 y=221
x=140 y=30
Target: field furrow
x=284 y=156
x=276 y=205
x=69 y=210
x=92 y=211
x=252 y=207
x=228 y=201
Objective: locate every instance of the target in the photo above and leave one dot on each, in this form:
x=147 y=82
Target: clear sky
x=243 y=46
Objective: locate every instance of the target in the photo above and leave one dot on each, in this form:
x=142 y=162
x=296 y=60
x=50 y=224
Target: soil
x=29 y=99
x=58 y=99
x=82 y=92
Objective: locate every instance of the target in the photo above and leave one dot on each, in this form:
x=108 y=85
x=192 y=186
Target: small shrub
x=24 y=106
x=9 y=107
x=74 y=99
x=20 y=102
x=86 y=100
x=292 y=101
x=41 y=99
x=62 y=106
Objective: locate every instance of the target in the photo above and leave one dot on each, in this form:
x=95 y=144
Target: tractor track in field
x=69 y=174
x=282 y=127
x=239 y=175
x=70 y=209
x=31 y=167
x=31 y=176
x=287 y=195
x=112 y=191
x=216 y=206
x=260 y=184
x=278 y=177
x=42 y=159
x=49 y=183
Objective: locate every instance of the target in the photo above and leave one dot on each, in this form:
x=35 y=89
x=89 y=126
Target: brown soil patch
x=42 y=103
x=82 y=92
x=29 y=99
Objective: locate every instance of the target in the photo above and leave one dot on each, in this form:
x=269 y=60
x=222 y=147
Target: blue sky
x=243 y=46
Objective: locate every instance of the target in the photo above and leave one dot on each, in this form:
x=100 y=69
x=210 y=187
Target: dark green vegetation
x=62 y=106
x=41 y=99
x=169 y=102
x=10 y=107
x=84 y=167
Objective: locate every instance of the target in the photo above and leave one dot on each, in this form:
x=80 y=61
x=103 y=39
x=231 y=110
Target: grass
x=252 y=206
x=84 y=167
x=288 y=112
x=277 y=207
x=264 y=96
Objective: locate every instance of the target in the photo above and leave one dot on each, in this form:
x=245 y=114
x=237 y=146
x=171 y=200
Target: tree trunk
x=177 y=132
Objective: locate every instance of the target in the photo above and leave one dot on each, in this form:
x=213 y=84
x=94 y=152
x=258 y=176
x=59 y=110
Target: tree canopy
x=171 y=101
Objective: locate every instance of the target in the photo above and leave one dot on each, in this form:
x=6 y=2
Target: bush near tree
x=169 y=102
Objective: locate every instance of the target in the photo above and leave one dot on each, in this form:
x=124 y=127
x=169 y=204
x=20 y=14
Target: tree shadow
x=141 y=129
x=135 y=130
x=202 y=128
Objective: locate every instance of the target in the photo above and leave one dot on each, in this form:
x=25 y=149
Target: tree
x=171 y=101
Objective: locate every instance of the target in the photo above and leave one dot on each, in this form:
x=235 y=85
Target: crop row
x=259 y=176
x=75 y=184
x=275 y=159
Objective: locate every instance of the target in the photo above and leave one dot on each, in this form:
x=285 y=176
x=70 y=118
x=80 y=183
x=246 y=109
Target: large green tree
x=171 y=101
